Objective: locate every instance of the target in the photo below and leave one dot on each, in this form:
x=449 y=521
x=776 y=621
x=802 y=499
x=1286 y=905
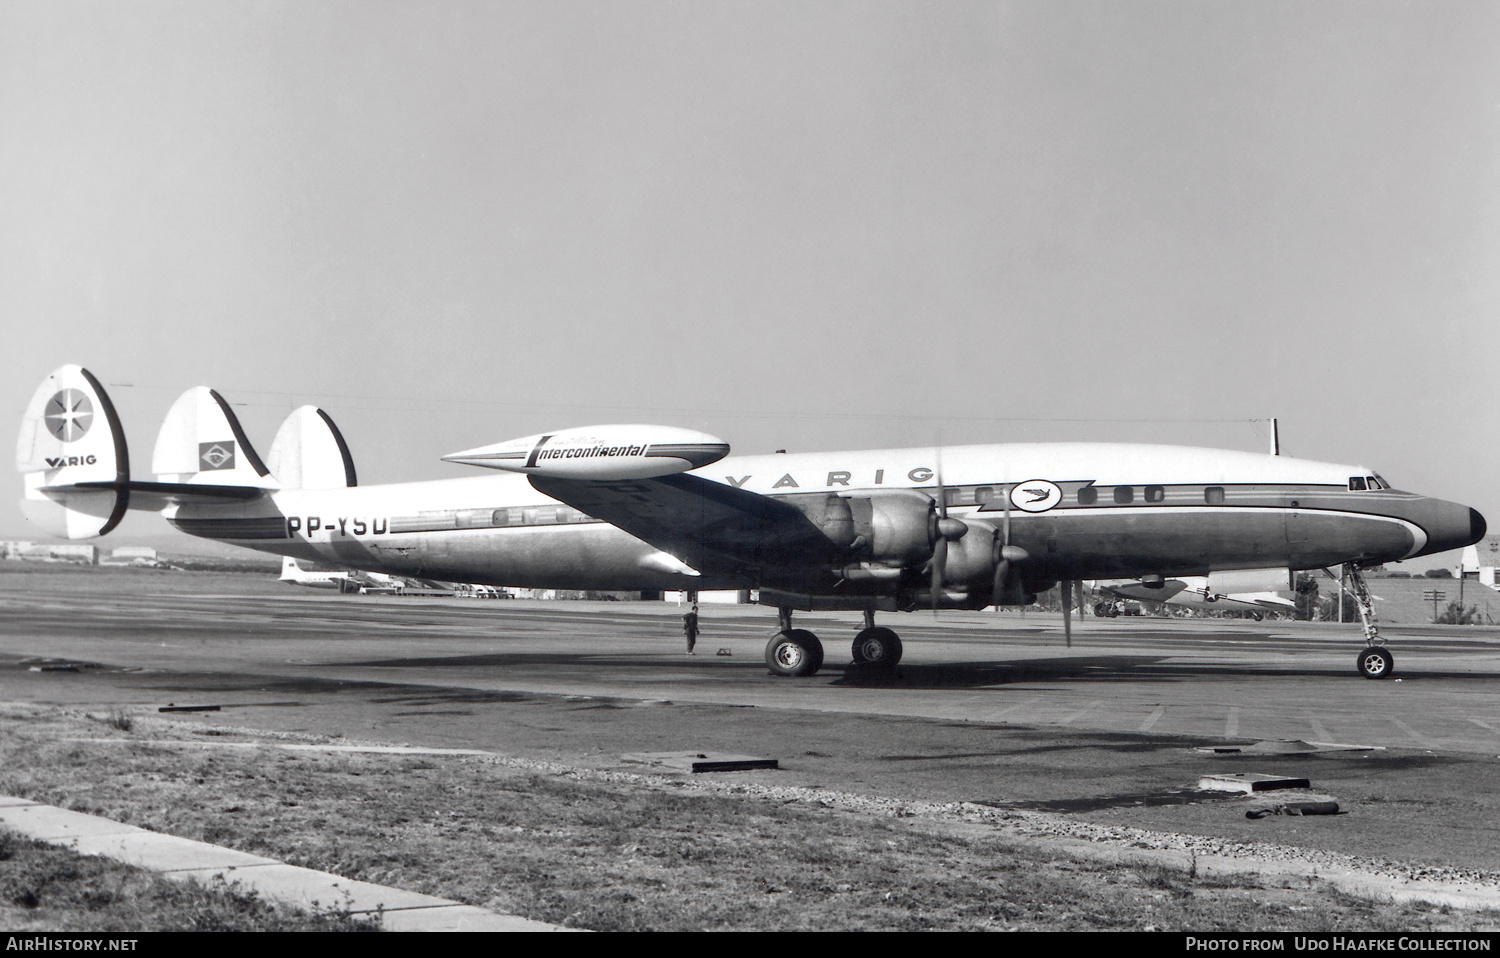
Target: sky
x=803 y=225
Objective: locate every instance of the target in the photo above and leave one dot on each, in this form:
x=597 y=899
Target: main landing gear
x=797 y=652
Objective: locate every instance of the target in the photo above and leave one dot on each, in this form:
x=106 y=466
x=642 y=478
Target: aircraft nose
x=1454 y=526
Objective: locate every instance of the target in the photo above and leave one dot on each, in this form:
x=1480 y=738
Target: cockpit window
x=1381 y=479
x=1374 y=482
x=1356 y=483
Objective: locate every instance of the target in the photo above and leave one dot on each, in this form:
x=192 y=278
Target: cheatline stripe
x=692 y=452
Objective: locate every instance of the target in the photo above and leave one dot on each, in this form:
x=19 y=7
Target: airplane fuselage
x=1078 y=510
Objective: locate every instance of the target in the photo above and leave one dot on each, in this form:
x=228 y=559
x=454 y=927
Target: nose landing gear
x=1375 y=660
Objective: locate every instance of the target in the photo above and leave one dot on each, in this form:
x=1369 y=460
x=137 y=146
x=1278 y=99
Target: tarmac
x=183 y=859
x=989 y=709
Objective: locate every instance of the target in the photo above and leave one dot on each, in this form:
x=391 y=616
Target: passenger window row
x=1089 y=495
x=538 y=516
x=1125 y=495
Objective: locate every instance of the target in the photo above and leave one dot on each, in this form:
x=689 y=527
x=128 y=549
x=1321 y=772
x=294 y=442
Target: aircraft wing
x=714 y=528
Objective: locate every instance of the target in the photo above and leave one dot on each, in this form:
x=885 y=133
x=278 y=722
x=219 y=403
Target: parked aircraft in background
x=375 y=583
x=633 y=507
x=1256 y=591
x=294 y=574
x=349 y=580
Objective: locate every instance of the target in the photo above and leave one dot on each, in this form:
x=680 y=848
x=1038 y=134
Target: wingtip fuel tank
x=600 y=452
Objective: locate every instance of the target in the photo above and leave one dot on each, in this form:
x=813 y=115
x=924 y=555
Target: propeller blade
x=1067 y=604
x=1001 y=548
x=943 y=530
x=1005 y=529
x=997 y=589
x=939 y=561
x=942 y=496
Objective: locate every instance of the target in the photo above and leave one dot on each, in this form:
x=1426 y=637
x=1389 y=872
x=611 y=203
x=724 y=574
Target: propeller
x=1005 y=554
x=942 y=531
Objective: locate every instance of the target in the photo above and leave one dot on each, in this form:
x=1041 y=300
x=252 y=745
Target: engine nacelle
x=971 y=560
x=894 y=528
x=600 y=452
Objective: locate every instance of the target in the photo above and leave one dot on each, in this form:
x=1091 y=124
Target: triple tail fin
x=201 y=443
x=309 y=452
x=76 y=469
x=72 y=455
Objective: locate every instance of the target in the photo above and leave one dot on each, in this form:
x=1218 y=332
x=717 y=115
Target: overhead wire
x=406 y=404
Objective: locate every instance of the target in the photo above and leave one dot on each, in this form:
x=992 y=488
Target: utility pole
x=1435 y=596
x=1460 y=585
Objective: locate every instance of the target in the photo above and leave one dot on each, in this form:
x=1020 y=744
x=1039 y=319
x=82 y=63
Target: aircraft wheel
x=795 y=652
x=1376 y=663
x=877 y=646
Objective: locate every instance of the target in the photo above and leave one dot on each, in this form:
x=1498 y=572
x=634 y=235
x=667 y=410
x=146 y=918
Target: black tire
x=795 y=652
x=877 y=646
x=1376 y=663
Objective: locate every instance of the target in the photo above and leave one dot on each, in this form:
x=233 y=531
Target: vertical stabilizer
x=71 y=453
x=201 y=442
x=309 y=453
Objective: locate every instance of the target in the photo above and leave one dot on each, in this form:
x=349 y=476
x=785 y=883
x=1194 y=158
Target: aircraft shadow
x=916 y=676
x=975 y=674
x=1105 y=668
x=611 y=661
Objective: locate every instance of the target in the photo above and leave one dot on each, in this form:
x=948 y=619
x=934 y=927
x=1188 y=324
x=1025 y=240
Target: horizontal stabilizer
x=72 y=456
x=309 y=453
x=156 y=496
x=201 y=442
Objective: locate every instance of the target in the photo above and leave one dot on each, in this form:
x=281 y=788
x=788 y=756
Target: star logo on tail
x=68 y=415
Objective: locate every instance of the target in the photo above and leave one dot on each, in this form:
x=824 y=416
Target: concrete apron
x=182 y=859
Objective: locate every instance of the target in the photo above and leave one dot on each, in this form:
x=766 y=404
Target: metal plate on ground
x=1290 y=747
x=700 y=761
x=1250 y=782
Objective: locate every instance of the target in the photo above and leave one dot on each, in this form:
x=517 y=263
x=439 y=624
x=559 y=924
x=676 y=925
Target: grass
x=614 y=855
x=45 y=887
